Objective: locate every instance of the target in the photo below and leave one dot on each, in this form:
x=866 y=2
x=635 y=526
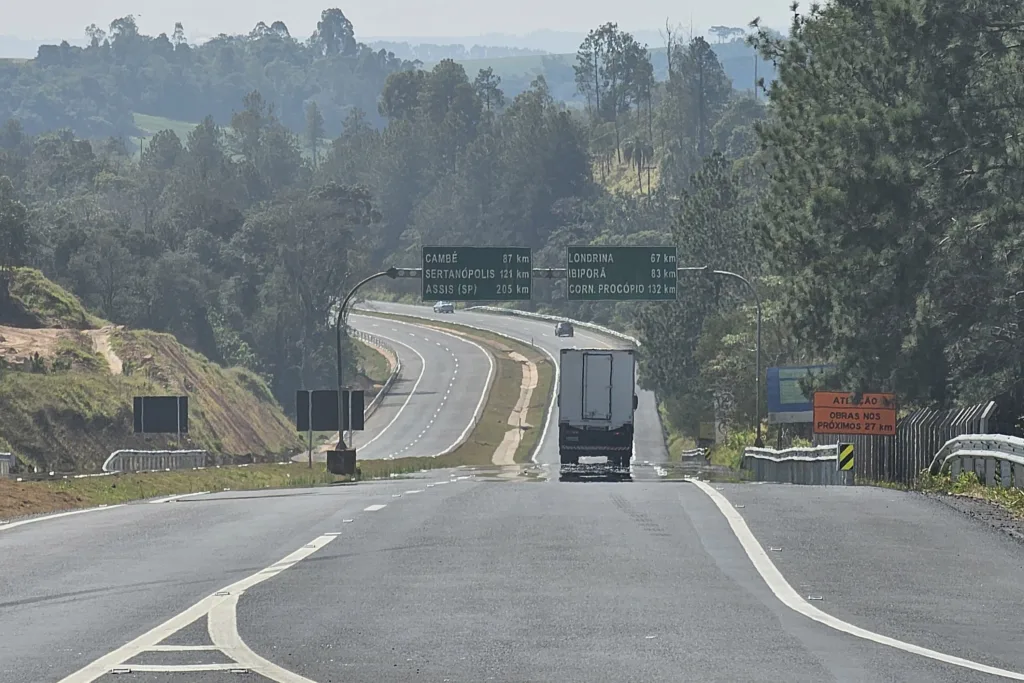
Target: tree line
x=869 y=193
x=95 y=90
x=878 y=213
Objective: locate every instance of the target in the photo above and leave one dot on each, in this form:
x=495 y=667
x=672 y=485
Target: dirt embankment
x=67 y=380
x=101 y=344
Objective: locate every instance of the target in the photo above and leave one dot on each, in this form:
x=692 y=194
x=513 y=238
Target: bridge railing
x=813 y=465
x=997 y=459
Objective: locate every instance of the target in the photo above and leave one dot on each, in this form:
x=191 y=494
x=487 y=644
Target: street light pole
x=338 y=324
x=758 y=441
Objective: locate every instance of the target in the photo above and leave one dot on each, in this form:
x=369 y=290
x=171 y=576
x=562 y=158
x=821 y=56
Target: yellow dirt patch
x=19 y=345
x=101 y=344
x=506 y=451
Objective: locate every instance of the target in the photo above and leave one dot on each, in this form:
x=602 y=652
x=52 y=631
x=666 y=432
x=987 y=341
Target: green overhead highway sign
x=621 y=273
x=477 y=273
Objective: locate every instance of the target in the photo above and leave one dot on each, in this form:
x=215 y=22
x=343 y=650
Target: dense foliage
x=873 y=199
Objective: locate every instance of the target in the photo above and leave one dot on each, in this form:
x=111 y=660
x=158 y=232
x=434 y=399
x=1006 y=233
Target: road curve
x=464 y=576
x=649 y=438
x=434 y=402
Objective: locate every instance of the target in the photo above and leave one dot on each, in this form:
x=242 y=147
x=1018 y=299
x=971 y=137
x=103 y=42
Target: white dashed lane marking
x=220 y=609
x=440 y=405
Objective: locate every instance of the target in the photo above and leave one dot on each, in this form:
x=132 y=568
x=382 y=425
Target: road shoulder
x=896 y=563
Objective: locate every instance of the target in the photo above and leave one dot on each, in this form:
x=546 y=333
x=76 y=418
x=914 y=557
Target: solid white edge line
x=169 y=499
x=102 y=666
x=4 y=526
x=790 y=598
x=412 y=392
x=552 y=406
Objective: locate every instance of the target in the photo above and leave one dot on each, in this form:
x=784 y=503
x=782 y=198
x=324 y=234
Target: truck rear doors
x=597 y=386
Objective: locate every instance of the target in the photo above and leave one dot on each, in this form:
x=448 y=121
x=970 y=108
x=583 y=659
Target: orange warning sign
x=836 y=412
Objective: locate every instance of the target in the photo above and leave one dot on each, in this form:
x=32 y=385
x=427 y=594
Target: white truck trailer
x=596 y=403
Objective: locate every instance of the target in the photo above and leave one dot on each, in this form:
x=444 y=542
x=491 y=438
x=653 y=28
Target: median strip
x=505 y=455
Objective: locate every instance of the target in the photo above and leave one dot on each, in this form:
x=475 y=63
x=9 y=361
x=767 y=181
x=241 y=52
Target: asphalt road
x=648 y=432
x=435 y=400
x=461 y=576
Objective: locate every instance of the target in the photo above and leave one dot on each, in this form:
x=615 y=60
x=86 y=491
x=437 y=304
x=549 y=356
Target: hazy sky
x=67 y=18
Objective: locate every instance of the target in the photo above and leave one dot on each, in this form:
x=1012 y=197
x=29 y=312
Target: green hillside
x=67 y=380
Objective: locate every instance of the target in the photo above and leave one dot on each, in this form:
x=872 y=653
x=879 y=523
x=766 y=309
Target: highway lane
x=431 y=406
x=479 y=580
x=898 y=563
x=468 y=579
x=76 y=587
x=461 y=578
x=648 y=431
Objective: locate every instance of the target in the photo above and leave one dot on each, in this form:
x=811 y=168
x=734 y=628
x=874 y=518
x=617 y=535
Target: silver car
x=444 y=307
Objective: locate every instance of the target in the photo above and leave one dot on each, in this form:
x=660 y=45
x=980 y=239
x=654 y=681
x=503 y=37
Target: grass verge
x=372 y=363
x=729 y=453
x=675 y=441
x=33 y=497
x=968 y=485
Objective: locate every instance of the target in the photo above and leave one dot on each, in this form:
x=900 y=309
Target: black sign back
x=160 y=414
x=325 y=410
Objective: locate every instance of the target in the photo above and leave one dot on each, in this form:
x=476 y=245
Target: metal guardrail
x=997 y=459
x=558 y=319
x=396 y=368
x=815 y=465
x=694 y=454
x=6 y=464
x=129 y=460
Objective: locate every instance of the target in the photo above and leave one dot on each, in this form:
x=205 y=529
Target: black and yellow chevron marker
x=845 y=457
